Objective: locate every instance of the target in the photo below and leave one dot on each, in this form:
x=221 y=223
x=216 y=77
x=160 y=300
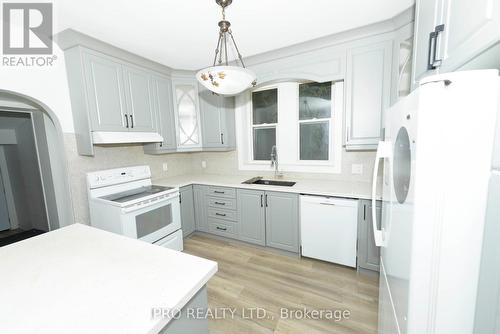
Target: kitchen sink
x=260 y=180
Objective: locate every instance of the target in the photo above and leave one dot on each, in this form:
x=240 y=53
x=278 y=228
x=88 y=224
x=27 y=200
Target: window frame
x=288 y=156
x=331 y=126
x=263 y=125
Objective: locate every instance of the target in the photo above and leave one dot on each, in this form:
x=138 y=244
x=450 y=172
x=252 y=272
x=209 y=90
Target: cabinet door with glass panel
x=187 y=114
x=264 y=123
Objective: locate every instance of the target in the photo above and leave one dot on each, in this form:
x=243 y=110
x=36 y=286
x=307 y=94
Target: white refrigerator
x=437 y=161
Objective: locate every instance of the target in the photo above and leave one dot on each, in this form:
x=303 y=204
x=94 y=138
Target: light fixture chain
x=237 y=50
x=217 y=49
x=225 y=48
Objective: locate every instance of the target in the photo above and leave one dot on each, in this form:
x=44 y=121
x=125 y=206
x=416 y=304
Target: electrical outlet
x=357 y=169
x=203 y=164
x=165 y=167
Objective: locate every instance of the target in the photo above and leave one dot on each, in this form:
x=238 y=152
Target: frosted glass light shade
x=226 y=80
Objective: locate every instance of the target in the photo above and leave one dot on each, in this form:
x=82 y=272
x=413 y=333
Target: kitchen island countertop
x=79 y=279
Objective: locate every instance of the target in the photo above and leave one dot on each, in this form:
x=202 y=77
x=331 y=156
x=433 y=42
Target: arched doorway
x=33 y=167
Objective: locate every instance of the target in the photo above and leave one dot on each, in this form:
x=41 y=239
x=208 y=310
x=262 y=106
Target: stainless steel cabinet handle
x=437 y=62
x=324 y=203
x=430 y=57
x=126 y=120
x=221 y=228
x=220 y=214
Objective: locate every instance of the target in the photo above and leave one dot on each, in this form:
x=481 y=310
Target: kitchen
x=270 y=178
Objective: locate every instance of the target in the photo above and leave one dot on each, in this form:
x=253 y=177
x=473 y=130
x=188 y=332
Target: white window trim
x=244 y=135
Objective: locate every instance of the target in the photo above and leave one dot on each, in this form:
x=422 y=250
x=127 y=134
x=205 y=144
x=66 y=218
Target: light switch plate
x=203 y=164
x=357 y=169
x=165 y=167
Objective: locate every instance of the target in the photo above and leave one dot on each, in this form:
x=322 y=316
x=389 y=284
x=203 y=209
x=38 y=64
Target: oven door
x=153 y=222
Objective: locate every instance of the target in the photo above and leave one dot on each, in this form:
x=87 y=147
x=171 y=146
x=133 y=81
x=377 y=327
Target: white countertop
x=79 y=279
x=333 y=188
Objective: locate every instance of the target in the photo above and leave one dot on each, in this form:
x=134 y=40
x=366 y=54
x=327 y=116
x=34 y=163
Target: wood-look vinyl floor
x=254 y=277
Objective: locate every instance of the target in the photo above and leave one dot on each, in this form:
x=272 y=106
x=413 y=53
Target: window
x=264 y=121
x=315 y=112
x=303 y=120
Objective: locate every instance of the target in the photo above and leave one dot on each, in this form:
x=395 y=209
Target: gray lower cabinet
x=251 y=216
x=186 y=323
x=201 y=207
x=282 y=220
x=186 y=200
x=368 y=253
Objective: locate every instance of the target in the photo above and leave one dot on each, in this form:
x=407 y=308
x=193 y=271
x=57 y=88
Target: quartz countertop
x=79 y=279
x=347 y=189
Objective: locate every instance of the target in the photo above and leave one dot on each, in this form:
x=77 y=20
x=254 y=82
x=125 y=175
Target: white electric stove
x=125 y=201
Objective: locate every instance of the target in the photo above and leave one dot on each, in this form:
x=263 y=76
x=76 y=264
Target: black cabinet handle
x=266 y=201
x=126 y=120
x=222 y=138
x=132 y=121
x=219 y=192
x=364 y=212
x=220 y=203
x=221 y=228
x=180 y=198
x=261 y=201
x=220 y=214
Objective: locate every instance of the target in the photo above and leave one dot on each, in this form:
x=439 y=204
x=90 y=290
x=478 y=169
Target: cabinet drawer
x=222 y=192
x=224 y=203
x=221 y=227
x=222 y=214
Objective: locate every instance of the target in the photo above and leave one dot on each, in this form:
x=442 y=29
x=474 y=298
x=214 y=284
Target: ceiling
x=182 y=34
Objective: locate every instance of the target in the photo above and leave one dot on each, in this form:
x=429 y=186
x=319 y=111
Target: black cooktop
x=130 y=195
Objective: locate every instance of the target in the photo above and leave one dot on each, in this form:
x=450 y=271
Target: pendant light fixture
x=222 y=78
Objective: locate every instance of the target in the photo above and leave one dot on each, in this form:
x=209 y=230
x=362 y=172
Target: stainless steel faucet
x=274 y=160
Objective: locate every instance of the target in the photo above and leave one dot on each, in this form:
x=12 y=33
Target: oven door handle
x=170 y=198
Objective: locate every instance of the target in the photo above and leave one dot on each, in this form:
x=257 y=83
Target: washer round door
x=402 y=165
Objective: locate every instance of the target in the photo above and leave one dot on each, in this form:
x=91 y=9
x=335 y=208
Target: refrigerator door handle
x=383 y=151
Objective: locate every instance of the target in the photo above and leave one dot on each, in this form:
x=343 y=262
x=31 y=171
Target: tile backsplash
x=115 y=156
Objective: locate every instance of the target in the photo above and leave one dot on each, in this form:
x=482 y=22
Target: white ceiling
x=183 y=33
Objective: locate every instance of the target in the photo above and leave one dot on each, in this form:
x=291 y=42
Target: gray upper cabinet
x=368 y=91
x=165 y=119
x=106 y=93
x=428 y=15
x=187 y=210
x=251 y=216
x=368 y=253
x=217 y=114
x=187 y=113
x=139 y=99
x=112 y=100
x=282 y=220
x=449 y=34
